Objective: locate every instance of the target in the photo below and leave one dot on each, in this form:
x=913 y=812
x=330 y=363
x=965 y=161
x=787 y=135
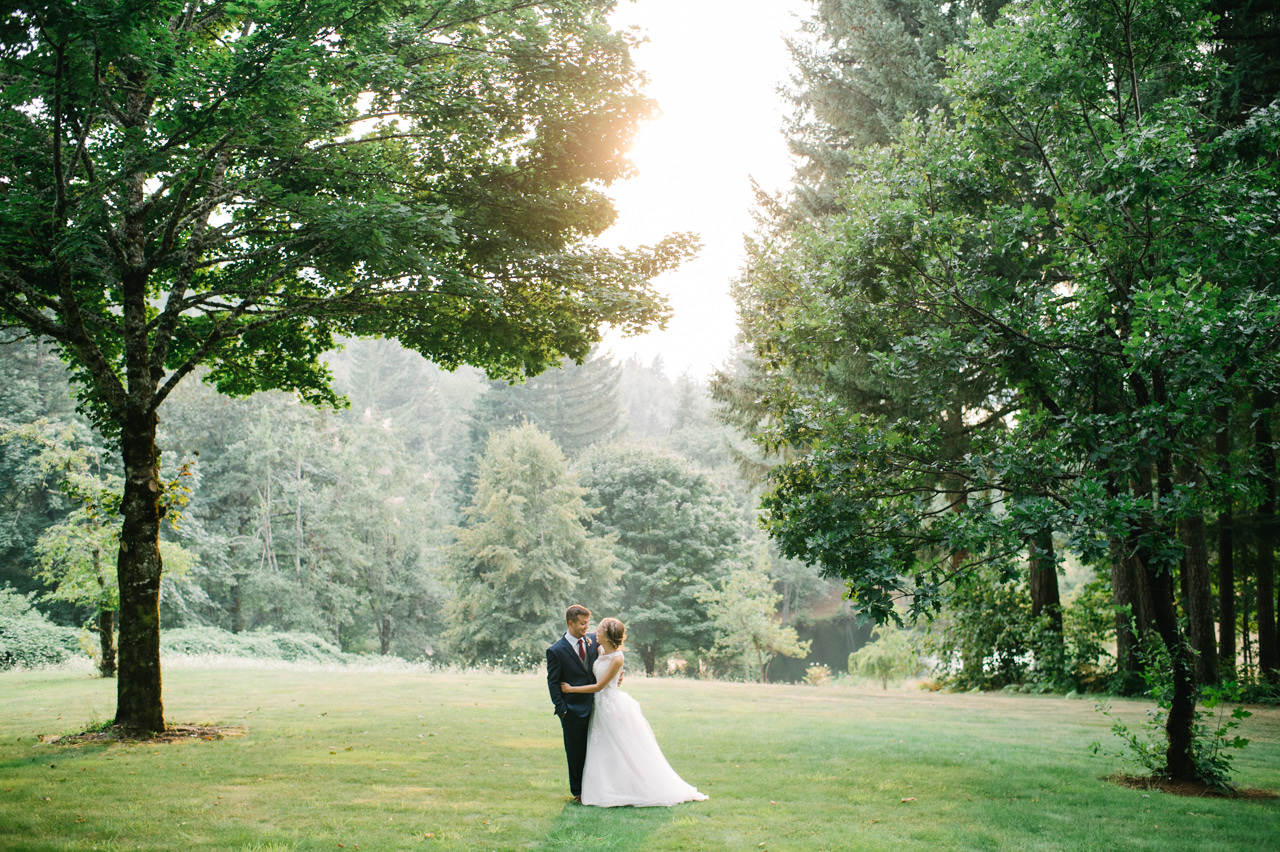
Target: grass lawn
x=391 y=760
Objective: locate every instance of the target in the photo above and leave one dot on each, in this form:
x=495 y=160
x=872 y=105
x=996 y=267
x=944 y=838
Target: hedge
x=31 y=641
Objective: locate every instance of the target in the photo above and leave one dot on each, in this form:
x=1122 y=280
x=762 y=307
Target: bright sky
x=713 y=67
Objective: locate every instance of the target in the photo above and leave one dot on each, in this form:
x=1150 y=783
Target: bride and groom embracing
x=613 y=756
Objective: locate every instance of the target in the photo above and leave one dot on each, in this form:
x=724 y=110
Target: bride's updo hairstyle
x=613 y=630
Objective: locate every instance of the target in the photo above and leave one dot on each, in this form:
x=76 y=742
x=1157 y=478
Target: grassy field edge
x=416 y=759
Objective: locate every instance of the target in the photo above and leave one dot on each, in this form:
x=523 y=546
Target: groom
x=569 y=661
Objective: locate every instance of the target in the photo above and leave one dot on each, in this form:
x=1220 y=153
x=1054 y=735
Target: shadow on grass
x=617 y=829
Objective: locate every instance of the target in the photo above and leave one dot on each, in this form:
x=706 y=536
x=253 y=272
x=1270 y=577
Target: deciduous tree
x=1085 y=236
x=677 y=534
x=744 y=613
x=195 y=182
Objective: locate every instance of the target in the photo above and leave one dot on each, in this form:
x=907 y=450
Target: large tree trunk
x=1131 y=592
x=1124 y=594
x=1226 y=553
x=1045 y=600
x=1132 y=599
x=1044 y=580
x=1268 y=640
x=1199 y=597
x=138 y=701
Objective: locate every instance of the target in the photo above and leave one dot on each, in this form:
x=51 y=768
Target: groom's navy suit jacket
x=564 y=666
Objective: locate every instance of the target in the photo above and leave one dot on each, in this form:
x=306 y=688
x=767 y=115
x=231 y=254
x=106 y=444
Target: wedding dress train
x=624 y=764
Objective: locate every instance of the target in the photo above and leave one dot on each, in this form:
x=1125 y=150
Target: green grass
x=435 y=761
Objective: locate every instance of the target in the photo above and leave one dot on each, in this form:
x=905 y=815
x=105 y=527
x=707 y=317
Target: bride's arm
x=615 y=666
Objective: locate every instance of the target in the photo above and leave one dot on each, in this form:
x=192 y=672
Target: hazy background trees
x=525 y=547
x=443 y=516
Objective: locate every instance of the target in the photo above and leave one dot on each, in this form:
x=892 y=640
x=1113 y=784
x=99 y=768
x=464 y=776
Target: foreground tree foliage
x=1042 y=299
x=232 y=185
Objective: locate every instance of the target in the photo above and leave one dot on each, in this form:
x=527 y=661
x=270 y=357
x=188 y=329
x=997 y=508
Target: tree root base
x=171 y=734
x=1194 y=788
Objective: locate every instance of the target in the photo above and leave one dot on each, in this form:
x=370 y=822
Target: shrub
x=13 y=603
x=31 y=641
x=817 y=674
x=891 y=656
x=304 y=646
x=289 y=647
x=196 y=641
x=1260 y=692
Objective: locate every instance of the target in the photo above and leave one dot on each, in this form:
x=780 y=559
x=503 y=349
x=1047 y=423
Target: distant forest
x=349 y=524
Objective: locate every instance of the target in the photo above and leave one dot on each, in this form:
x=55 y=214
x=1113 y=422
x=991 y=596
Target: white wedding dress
x=624 y=764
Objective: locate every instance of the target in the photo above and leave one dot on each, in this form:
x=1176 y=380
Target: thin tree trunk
x=106 y=624
x=1199 y=597
x=649 y=656
x=107 y=643
x=971 y=660
x=1179 y=761
x=1180 y=764
x=1246 y=642
x=299 y=534
x=1226 y=553
x=237 y=608
x=384 y=635
x=1268 y=640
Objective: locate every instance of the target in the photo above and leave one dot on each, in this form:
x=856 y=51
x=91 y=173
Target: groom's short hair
x=575 y=612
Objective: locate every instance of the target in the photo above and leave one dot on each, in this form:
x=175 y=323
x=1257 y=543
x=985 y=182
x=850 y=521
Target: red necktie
x=582 y=651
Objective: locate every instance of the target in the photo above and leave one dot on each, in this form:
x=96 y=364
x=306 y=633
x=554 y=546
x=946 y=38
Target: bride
x=624 y=764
